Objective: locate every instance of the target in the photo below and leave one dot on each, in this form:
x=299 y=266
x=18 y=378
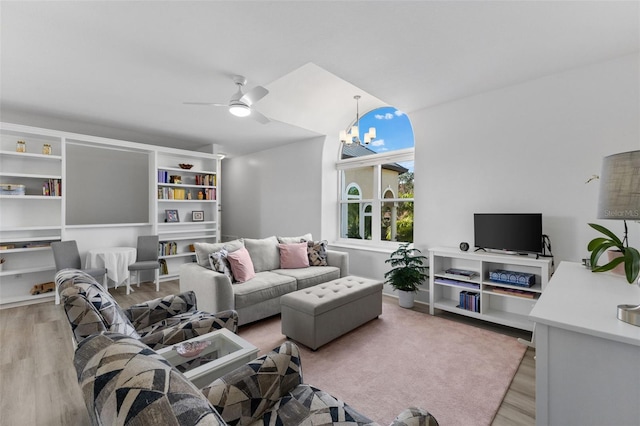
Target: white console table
x=587 y=361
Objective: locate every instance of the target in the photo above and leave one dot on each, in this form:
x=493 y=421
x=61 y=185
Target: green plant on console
x=630 y=256
x=408 y=269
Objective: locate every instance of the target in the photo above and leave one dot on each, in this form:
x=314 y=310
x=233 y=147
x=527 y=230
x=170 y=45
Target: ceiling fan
x=240 y=103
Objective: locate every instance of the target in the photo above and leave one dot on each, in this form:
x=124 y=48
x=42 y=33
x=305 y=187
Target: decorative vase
x=612 y=254
x=405 y=299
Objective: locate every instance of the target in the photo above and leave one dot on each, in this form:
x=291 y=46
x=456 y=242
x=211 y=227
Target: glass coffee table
x=226 y=352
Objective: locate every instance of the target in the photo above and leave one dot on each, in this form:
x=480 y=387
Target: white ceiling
x=124 y=68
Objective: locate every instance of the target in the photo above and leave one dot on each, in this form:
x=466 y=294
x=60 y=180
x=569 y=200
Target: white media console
x=499 y=302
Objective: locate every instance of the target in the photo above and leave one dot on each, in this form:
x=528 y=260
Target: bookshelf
x=495 y=301
x=31 y=211
x=192 y=197
x=41 y=205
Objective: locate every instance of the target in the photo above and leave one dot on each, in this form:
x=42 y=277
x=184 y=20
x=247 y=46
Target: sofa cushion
x=241 y=265
x=309 y=405
x=243 y=395
x=289 y=240
x=317 y=253
x=89 y=307
x=264 y=286
x=203 y=250
x=313 y=275
x=219 y=262
x=264 y=253
x=124 y=382
x=293 y=256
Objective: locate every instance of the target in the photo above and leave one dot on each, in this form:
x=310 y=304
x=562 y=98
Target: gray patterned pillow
x=203 y=250
x=317 y=251
x=219 y=262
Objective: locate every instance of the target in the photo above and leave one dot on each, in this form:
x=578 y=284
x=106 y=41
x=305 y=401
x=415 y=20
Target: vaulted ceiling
x=123 y=69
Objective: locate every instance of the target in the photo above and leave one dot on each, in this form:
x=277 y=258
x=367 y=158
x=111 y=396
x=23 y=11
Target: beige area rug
x=458 y=372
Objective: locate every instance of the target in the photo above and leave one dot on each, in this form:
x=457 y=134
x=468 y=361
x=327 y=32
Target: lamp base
x=630 y=314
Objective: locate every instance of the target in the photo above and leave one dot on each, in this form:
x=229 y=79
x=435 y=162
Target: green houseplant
x=408 y=270
x=629 y=255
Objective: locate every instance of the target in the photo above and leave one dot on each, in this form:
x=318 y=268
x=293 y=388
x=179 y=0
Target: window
x=376 y=181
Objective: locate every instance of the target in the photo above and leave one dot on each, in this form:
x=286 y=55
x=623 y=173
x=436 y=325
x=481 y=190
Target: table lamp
x=619 y=199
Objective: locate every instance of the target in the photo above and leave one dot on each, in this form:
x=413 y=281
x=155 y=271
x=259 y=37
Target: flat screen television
x=510 y=232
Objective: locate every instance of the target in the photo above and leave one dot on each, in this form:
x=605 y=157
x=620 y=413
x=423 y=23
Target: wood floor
x=38 y=383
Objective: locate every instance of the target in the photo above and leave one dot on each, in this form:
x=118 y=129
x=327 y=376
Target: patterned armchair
x=157 y=323
x=124 y=383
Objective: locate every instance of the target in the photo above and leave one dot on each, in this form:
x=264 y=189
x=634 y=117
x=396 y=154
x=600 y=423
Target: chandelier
x=353 y=135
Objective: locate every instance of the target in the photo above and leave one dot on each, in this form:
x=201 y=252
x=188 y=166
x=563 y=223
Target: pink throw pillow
x=241 y=265
x=293 y=256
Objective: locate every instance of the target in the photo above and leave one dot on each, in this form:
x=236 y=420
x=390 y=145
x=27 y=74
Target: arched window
x=382 y=171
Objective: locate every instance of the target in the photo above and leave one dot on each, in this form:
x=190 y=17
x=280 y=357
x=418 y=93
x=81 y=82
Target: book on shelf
x=206 y=180
x=52 y=188
x=470 y=301
x=461 y=273
x=167 y=248
x=514 y=292
x=163 y=176
x=447 y=281
x=165 y=193
x=164 y=270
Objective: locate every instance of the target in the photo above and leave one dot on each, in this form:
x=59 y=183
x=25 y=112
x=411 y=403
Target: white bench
x=316 y=315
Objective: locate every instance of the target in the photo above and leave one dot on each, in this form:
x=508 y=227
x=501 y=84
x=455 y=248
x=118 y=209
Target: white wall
x=526 y=148
x=273 y=192
x=523 y=148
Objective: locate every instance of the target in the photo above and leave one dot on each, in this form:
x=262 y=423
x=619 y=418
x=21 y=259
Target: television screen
x=514 y=232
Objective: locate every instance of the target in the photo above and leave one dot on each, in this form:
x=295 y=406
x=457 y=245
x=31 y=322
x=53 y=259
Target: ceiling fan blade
x=254 y=95
x=259 y=117
x=205 y=103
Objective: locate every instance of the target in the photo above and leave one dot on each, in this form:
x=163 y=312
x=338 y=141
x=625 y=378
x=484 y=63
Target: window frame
x=374 y=160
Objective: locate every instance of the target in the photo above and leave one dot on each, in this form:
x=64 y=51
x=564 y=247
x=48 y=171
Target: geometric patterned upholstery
x=157 y=323
x=126 y=383
x=246 y=393
x=89 y=308
x=415 y=417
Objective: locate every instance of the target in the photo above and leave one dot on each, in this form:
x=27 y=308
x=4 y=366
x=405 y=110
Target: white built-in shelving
x=189 y=192
x=29 y=222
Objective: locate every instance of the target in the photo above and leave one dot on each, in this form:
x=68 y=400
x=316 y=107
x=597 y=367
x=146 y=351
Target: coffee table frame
x=230 y=350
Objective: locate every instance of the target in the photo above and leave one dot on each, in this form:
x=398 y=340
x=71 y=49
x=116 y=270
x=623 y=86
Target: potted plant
x=627 y=255
x=408 y=271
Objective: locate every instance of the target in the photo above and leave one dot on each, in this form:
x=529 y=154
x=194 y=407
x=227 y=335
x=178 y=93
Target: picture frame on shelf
x=171 y=216
x=197 y=216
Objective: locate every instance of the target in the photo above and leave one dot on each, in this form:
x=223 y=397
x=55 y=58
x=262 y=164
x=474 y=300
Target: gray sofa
x=259 y=297
x=124 y=382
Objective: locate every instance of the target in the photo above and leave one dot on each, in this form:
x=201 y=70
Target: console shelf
x=500 y=302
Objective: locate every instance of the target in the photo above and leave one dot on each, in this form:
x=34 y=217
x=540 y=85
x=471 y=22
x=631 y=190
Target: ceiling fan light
x=239 y=110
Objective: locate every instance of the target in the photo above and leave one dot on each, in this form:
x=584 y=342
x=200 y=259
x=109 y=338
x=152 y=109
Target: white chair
x=146 y=260
x=66 y=255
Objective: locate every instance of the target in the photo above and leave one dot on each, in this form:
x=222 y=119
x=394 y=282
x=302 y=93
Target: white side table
x=115 y=259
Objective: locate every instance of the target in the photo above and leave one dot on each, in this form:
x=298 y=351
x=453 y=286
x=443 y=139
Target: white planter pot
x=405 y=299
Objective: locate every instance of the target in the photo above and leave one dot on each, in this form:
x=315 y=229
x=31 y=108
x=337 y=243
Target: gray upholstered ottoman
x=316 y=315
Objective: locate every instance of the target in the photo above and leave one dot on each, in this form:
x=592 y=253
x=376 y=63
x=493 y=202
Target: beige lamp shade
x=620 y=187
